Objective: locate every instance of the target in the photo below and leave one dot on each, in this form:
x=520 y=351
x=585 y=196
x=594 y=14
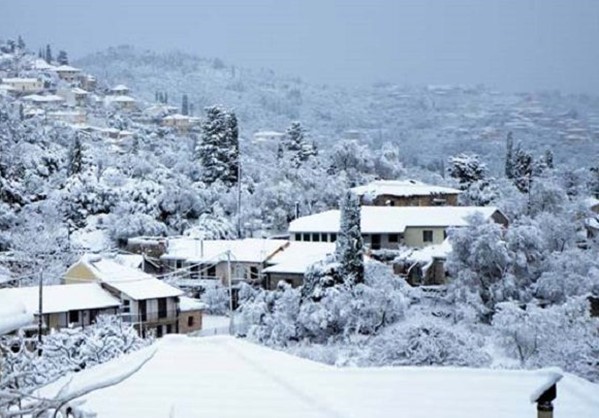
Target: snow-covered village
x=185 y=234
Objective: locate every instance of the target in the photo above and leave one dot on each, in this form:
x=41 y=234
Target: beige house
x=68 y=116
x=405 y=193
x=190 y=317
x=389 y=227
x=146 y=302
x=124 y=103
x=65 y=305
x=120 y=90
x=24 y=85
x=181 y=122
x=290 y=264
x=67 y=73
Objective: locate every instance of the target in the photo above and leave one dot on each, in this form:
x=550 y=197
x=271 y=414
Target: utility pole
x=40 y=317
x=239 y=199
x=230 y=292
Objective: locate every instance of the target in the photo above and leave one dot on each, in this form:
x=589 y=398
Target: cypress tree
x=350 y=246
x=49 y=57
x=509 y=156
x=75 y=157
x=184 y=105
x=62 y=58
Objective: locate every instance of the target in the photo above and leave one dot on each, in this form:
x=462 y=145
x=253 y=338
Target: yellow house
x=24 y=85
x=389 y=227
x=146 y=302
x=180 y=122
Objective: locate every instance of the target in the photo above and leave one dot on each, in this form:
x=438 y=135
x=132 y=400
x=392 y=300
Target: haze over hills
x=427 y=122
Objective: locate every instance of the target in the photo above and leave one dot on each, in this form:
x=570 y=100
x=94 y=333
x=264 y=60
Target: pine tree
x=48 y=56
x=548 y=157
x=218 y=147
x=350 y=246
x=509 y=156
x=62 y=58
x=185 y=105
x=467 y=169
x=21 y=43
x=296 y=145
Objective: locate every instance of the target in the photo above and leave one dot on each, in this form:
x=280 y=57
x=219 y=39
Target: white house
x=67 y=73
x=389 y=227
x=120 y=90
x=65 y=305
x=121 y=102
x=24 y=85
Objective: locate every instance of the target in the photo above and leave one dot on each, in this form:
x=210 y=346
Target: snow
x=38 y=98
x=133 y=282
x=298 y=256
x=120 y=87
x=242 y=379
x=427 y=254
x=119 y=99
x=66 y=68
x=78 y=90
x=190 y=304
x=392 y=219
x=62 y=298
x=19 y=80
x=403 y=188
x=249 y=250
x=13 y=314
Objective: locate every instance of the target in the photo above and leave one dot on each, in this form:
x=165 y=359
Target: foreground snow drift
x=227 y=377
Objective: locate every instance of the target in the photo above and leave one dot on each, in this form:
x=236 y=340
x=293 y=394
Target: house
x=190 y=318
x=181 y=122
x=87 y=82
x=65 y=305
x=423 y=266
x=268 y=137
x=122 y=102
x=79 y=96
x=68 y=116
x=210 y=259
x=120 y=90
x=47 y=101
x=388 y=227
x=146 y=302
x=197 y=377
x=24 y=85
x=290 y=264
x=405 y=193
x=67 y=73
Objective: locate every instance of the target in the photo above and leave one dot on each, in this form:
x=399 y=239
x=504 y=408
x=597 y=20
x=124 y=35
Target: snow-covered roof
x=78 y=90
x=13 y=80
x=240 y=379
x=249 y=250
x=63 y=298
x=41 y=64
x=66 y=69
x=392 y=219
x=187 y=304
x=132 y=282
x=401 y=188
x=119 y=99
x=120 y=87
x=38 y=98
x=298 y=256
x=177 y=116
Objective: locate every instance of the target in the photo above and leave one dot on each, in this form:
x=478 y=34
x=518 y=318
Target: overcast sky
x=506 y=44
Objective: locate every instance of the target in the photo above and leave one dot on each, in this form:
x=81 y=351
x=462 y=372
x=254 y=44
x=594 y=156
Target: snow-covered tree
x=218 y=147
x=466 y=169
x=509 y=156
x=350 y=245
x=296 y=146
x=62 y=58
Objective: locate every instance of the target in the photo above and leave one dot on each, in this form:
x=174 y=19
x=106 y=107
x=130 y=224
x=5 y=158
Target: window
x=73 y=317
x=298 y=237
x=393 y=238
x=162 y=308
x=126 y=306
x=210 y=272
x=169 y=329
x=375 y=241
x=190 y=321
x=178 y=264
x=333 y=237
x=159 y=331
x=316 y=237
x=444 y=234
x=254 y=273
x=142 y=311
x=323 y=237
x=427 y=236
x=306 y=237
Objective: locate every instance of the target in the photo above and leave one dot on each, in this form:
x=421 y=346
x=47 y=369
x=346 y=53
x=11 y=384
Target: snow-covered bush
x=561 y=335
x=216 y=296
x=426 y=342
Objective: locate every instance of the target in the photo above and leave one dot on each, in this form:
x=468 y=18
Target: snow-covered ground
x=227 y=377
x=214 y=325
